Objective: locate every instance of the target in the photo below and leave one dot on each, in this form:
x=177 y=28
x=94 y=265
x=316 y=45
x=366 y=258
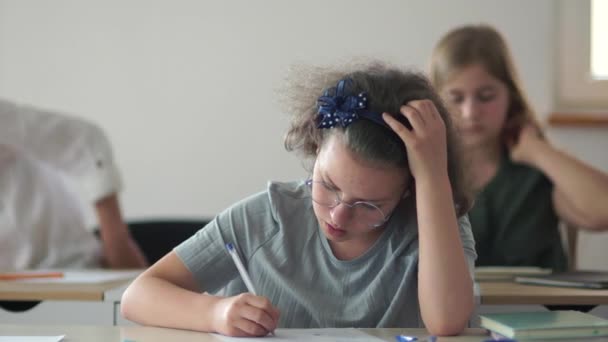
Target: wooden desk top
x=515 y=293
x=53 y=289
x=153 y=334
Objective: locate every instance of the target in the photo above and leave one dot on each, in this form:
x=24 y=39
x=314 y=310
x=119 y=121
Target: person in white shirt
x=42 y=218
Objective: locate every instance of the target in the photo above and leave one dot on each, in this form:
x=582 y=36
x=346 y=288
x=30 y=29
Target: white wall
x=185 y=89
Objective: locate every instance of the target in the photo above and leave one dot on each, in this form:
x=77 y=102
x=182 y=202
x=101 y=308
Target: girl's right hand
x=245 y=315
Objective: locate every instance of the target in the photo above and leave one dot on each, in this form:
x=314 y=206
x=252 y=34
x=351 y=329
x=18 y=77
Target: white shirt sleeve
x=74 y=146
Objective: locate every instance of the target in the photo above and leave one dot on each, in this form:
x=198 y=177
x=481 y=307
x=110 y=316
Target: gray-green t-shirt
x=291 y=263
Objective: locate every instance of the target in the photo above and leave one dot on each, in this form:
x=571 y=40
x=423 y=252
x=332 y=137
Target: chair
x=156 y=238
x=569 y=235
x=572 y=237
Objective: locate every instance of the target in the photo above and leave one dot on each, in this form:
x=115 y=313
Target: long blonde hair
x=484 y=45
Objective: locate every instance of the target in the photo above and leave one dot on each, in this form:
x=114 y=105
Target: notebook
x=545 y=325
x=581 y=279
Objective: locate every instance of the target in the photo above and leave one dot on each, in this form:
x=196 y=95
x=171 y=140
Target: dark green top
x=514 y=221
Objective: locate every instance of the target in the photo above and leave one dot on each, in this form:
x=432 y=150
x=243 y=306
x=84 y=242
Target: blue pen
x=241 y=268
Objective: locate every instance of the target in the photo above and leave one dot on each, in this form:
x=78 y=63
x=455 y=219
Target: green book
x=545 y=325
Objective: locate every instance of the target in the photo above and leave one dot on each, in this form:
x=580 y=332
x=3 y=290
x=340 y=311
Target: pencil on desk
x=29 y=275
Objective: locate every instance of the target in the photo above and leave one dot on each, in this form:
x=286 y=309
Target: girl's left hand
x=425 y=142
x=526 y=147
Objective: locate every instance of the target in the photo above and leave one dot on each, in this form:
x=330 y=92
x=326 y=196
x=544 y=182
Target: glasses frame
x=309 y=182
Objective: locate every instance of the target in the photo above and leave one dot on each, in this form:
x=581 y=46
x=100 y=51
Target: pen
x=29 y=275
x=243 y=272
x=241 y=268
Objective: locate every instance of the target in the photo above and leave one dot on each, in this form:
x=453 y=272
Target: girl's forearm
x=156 y=302
x=445 y=288
x=119 y=248
x=583 y=187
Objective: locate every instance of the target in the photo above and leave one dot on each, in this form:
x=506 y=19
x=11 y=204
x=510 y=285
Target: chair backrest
x=156 y=238
x=569 y=235
x=572 y=238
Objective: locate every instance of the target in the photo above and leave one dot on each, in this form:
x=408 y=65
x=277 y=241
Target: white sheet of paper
x=321 y=335
x=31 y=338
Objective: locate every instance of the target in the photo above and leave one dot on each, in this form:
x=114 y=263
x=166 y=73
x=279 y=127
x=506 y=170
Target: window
x=599 y=40
x=582 y=56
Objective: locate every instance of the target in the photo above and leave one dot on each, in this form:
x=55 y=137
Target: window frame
x=576 y=88
x=579 y=100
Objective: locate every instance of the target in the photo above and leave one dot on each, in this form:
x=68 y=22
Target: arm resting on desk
x=180 y=306
x=119 y=248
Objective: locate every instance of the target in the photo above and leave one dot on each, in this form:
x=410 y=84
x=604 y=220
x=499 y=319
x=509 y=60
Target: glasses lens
x=368 y=213
x=362 y=211
x=324 y=195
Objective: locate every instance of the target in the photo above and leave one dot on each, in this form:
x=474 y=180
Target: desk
x=498 y=293
x=68 y=301
x=153 y=334
x=502 y=296
x=508 y=296
x=10 y=290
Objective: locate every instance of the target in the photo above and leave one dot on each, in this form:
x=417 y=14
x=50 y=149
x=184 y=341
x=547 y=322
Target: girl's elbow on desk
x=133 y=298
x=126 y=305
x=446 y=327
x=448 y=322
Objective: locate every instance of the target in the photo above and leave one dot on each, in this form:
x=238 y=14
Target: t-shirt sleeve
x=248 y=225
x=468 y=243
x=74 y=146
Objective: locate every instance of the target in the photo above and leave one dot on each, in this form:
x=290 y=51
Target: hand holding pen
x=246 y=314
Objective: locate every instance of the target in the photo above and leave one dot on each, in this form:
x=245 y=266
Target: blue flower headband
x=338 y=108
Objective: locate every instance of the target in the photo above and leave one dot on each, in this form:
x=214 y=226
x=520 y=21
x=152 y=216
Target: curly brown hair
x=387 y=88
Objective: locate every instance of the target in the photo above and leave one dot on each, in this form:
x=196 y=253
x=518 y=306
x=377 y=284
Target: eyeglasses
x=366 y=212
